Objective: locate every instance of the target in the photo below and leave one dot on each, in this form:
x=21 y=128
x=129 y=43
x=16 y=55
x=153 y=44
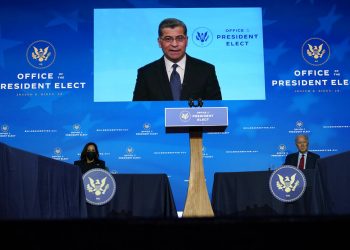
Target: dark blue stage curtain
x=37 y=187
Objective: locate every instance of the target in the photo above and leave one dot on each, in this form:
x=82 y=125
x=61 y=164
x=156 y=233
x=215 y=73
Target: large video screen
x=229 y=38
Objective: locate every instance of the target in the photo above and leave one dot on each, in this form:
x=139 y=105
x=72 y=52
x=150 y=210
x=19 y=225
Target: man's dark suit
x=200 y=81
x=292 y=159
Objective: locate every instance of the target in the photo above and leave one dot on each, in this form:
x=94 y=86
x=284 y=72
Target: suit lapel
x=308 y=160
x=163 y=80
x=295 y=160
x=187 y=72
x=187 y=77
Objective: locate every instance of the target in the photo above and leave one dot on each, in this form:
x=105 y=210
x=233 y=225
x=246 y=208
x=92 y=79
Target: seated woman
x=89 y=158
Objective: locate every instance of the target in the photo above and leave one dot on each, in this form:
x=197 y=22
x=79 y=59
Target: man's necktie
x=175 y=83
x=302 y=162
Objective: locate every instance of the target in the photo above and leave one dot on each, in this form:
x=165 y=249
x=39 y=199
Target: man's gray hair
x=302 y=135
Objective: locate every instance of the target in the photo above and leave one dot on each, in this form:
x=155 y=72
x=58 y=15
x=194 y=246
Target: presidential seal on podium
x=99 y=186
x=287 y=183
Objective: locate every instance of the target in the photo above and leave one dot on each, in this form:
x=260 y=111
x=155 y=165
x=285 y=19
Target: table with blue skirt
x=248 y=194
x=37 y=187
x=138 y=196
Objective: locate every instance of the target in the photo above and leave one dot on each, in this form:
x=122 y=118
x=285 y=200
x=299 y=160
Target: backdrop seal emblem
x=202 y=37
x=41 y=54
x=316 y=51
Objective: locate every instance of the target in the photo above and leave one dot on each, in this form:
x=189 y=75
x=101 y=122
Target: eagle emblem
x=41 y=54
x=129 y=150
x=5 y=128
x=287 y=183
x=185 y=116
x=203 y=37
x=316 y=51
x=146 y=126
x=97 y=186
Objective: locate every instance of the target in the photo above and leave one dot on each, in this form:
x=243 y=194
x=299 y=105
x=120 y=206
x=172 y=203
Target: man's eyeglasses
x=170 y=39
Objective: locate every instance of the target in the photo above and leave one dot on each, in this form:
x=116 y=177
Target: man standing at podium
x=176 y=75
x=303 y=158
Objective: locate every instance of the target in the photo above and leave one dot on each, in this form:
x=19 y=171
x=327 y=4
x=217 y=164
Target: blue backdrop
x=47 y=104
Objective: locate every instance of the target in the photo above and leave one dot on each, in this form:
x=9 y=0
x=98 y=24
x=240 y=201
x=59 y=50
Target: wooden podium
x=195 y=121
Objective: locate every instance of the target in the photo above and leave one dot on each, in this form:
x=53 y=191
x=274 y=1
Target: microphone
x=200 y=102
x=191 y=102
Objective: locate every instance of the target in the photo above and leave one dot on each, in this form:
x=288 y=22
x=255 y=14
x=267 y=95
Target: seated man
x=303 y=158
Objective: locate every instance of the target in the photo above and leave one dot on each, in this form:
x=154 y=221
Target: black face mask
x=91 y=155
